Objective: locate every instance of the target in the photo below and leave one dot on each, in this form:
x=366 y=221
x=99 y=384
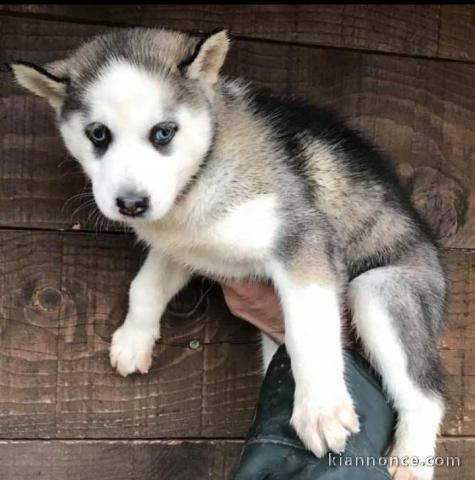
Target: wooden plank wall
x=403 y=74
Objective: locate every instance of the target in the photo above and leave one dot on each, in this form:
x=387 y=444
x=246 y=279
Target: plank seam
x=52 y=18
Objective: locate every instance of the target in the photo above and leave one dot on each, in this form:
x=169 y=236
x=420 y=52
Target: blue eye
x=163 y=133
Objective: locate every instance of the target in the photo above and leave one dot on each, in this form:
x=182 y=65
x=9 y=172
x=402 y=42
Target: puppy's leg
x=156 y=283
x=268 y=348
x=396 y=312
x=323 y=414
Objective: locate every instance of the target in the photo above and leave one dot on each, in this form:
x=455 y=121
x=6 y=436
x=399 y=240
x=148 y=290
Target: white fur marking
x=236 y=245
x=155 y=284
x=323 y=413
x=249 y=227
x=269 y=347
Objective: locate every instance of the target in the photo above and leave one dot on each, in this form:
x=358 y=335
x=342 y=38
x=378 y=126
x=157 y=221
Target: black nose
x=132 y=206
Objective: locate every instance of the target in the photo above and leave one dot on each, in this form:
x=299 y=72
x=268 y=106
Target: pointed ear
x=41 y=82
x=208 y=58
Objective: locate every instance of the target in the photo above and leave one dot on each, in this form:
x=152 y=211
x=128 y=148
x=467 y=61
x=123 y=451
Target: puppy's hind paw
x=406 y=473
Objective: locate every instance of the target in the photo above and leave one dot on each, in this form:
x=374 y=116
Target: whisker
x=92 y=214
x=76 y=197
x=84 y=205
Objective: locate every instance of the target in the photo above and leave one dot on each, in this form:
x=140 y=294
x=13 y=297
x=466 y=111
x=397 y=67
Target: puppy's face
x=139 y=144
x=140 y=132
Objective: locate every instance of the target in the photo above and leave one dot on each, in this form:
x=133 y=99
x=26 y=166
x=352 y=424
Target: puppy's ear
x=208 y=58
x=41 y=81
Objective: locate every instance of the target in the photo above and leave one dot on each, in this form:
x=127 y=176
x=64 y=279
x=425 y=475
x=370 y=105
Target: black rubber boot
x=274 y=452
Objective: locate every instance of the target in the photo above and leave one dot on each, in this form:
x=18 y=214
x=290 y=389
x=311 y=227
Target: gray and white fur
x=226 y=179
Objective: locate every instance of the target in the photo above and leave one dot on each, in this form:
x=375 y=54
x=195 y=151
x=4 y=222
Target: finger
x=240 y=289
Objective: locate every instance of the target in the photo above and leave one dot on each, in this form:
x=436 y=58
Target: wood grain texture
x=118 y=460
x=457 y=32
x=62 y=296
x=422 y=112
x=458 y=460
x=165 y=460
x=446 y=31
x=458 y=344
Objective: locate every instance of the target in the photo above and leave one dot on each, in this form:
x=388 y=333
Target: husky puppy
x=226 y=179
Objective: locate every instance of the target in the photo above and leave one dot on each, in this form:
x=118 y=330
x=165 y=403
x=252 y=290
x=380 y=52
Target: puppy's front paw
x=324 y=428
x=131 y=350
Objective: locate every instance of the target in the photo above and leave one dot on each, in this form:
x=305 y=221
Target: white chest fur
x=238 y=243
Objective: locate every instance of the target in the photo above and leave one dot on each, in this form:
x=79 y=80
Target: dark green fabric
x=274 y=452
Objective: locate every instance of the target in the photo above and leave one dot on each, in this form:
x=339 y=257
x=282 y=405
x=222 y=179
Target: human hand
x=256 y=303
x=259 y=304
